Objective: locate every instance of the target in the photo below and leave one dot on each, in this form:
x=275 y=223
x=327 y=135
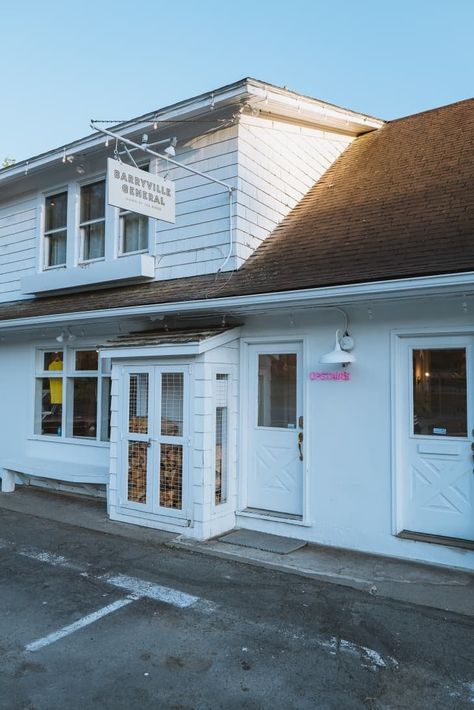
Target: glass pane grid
x=171 y=476
x=137 y=469
x=172 y=384
x=138 y=404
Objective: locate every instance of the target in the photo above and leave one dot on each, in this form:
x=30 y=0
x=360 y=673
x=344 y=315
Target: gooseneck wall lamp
x=340 y=354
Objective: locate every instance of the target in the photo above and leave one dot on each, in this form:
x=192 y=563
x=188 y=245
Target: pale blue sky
x=62 y=63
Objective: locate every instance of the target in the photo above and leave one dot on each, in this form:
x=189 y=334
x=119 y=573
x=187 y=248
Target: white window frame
x=90 y=222
x=121 y=234
x=67 y=374
x=45 y=234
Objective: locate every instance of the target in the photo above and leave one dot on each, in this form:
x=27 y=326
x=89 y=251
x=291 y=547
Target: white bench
x=56 y=470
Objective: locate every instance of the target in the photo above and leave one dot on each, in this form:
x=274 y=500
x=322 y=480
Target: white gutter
x=202 y=104
x=331 y=295
x=199 y=104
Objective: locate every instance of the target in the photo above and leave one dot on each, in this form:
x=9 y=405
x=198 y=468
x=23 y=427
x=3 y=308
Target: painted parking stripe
x=80 y=624
x=141 y=588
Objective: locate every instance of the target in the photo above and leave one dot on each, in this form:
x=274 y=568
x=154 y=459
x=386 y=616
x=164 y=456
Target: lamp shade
x=338 y=356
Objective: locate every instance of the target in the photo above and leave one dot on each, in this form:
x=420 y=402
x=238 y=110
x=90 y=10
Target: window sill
x=137 y=267
x=79 y=441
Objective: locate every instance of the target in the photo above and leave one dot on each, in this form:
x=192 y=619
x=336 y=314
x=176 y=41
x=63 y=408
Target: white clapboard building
x=249 y=309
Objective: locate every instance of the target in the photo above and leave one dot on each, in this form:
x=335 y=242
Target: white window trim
x=67 y=373
x=89 y=222
x=74 y=232
x=42 y=251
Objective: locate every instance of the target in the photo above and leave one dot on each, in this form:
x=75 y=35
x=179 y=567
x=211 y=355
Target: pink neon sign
x=330 y=375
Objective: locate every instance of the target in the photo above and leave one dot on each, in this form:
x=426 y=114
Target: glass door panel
x=137 y=440
x=137 y=472
x=277 y=390
x=440 y=392
x=171 y=440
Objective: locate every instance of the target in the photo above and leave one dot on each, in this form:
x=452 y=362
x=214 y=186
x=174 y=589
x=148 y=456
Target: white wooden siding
x=198 y=242
x=18 y=225
x=278 y=163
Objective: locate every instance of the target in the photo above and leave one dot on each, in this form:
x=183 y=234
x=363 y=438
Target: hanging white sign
x=139 y=191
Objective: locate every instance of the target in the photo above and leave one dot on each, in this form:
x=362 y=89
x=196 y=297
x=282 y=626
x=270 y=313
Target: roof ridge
x=428 y=110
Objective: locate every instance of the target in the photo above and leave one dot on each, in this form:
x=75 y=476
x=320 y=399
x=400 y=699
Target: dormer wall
x=279 y=162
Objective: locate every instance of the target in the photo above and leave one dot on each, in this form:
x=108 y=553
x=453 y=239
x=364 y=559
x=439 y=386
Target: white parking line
x=85 y=621
x=137 y=588
x=141 y=588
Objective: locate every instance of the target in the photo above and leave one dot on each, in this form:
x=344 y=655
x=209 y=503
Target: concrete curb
x=456 y=597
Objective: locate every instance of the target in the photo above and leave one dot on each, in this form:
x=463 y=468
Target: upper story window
x=92 y=221
x=55 y=230
x=133 y=229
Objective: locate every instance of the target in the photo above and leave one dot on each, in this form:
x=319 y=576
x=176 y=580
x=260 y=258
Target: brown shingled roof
x=398 y=203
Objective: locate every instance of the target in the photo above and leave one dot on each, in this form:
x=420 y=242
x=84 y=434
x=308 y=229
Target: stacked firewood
x=171 y=476
x=138 y=425
x=219 y=490
x=137 y=465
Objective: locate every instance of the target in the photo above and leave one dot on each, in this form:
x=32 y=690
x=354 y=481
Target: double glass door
x=154 y=434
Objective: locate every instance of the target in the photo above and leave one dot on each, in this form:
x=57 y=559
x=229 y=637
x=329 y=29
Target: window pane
x=221 y=455
x=87 y=360
x=93 y=201
x=138 y=404
x=221 y=438
x=56 y=249
x=134 y=230
x=55 y=212
x=53 y=361
x=172 y=404
x=171 y=476
x=84 y=408
x=277 y=390
x=93 y=241
x=105 y=409
x=49 y=406
x=137 y=465
x=439 y=392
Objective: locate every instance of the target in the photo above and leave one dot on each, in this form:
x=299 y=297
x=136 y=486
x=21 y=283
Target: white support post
x=8 y=480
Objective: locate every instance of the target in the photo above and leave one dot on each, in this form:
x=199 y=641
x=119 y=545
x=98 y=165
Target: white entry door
x=437 y=466
x=154 y=453
x=275 y=446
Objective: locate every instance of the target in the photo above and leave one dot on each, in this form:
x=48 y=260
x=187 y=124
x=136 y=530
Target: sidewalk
x=425 y=585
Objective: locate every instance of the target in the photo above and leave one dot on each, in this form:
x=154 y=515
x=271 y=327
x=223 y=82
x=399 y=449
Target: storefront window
x=72 y=395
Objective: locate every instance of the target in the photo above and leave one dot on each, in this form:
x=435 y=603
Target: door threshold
x=287 y=518
x=437 y=539
x=272 y=513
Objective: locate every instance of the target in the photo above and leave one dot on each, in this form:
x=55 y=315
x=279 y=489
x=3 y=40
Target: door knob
x=300 y=445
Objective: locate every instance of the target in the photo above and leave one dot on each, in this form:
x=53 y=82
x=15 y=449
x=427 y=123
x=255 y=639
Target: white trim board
x=398 y=289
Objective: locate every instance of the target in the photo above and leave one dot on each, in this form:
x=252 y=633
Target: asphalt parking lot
x=89 y=620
